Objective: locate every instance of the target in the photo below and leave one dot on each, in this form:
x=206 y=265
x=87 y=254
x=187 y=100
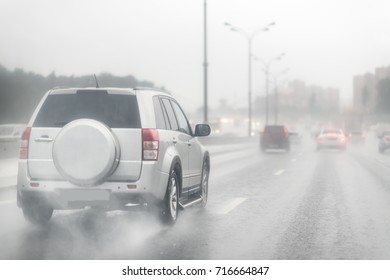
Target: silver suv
x=110 y=148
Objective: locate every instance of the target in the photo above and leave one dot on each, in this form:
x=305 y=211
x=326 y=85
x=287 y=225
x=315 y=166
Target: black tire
x=170 y=204
x=37 y=214
x=204 y=184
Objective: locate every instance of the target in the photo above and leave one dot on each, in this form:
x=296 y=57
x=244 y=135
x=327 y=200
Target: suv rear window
x=116 y=111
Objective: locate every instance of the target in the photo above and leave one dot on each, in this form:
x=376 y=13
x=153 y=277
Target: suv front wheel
x=205 y=184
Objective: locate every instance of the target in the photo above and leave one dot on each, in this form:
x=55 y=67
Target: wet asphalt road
x=299 y=205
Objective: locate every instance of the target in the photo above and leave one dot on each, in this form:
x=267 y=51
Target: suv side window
x=161 y=115
x=170 y=113
x=181 y=118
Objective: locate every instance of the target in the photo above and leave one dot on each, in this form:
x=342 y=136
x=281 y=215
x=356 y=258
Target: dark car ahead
x=274 y=137
x=356 y=137
x=384 y=142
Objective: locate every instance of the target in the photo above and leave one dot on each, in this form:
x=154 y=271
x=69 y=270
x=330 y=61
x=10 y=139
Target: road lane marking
x=279 y=172
x=294 y=160
x=7 y=202
x=230 y=205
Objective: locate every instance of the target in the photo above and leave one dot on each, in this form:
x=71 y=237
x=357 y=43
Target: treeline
x=20 y=91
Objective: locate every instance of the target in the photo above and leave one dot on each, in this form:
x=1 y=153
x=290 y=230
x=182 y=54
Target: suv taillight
x=150 y=144
x=24 y=143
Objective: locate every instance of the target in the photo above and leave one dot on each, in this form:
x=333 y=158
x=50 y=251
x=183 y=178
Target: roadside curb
x=6 y=189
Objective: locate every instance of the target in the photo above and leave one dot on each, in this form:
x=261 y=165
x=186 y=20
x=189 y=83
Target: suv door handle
x=43 y=139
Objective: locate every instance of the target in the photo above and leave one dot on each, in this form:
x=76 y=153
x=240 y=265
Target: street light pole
x=205 y=65
x=276 y=95
x=249 y=38
x=249 y=86
x=266 y=70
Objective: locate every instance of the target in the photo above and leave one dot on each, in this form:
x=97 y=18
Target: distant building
x=365 y=94
x=311 y=98
x=296 y=100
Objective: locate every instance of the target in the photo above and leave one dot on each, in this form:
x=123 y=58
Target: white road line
x=7 y=202
x=279 y=172
x=230 y=205
x=294 y=160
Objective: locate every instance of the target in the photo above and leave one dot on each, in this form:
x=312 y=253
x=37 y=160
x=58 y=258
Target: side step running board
x=190 y=203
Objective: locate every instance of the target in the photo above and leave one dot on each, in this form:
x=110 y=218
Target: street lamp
x=205 y=65
x=267 y=65
x=249 y=37
x=276 y=93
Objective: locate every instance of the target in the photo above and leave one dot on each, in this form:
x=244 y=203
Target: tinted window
x=116 y=111
x=170 y=113
x=161 y=117
x=181 y=118
x=274 y=129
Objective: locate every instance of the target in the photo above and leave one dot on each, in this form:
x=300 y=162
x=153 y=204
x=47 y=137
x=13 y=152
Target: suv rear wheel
x=37 y=213
x=170 y=205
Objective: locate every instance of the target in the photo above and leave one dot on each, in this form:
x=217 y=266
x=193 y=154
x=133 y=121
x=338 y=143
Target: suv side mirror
x=202 y=130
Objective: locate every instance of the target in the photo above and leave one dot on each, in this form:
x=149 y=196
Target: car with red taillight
x=331 y=138
x=110 y=148
x=384 y=141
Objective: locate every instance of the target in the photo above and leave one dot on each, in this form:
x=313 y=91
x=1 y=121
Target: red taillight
x=342 y=140
x=24 y=143
x=285 y=131
x=320 y=138
x=150 y=144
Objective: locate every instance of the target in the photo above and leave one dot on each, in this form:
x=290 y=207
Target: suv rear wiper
x=60 y=124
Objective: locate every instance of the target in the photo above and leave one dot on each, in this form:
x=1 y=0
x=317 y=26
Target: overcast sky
x=326 y=41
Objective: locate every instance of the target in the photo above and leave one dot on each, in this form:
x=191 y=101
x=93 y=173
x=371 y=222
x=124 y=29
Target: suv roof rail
x=151 y=88
x=60 y=87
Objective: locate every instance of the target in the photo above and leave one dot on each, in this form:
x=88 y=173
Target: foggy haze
x=326 y=42
x=298 y=171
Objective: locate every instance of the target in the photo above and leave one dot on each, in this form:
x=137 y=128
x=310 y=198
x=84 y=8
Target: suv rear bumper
x=61 y=194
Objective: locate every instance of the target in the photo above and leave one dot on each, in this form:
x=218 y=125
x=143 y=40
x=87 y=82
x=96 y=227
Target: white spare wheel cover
x=86 y=152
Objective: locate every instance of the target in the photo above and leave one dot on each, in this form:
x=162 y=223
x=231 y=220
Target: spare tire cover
x=85 y=152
